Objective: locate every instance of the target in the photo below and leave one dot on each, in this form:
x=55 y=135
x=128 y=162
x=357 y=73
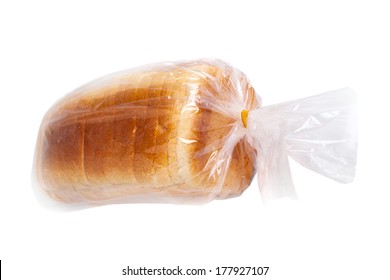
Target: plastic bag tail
x=319 y=132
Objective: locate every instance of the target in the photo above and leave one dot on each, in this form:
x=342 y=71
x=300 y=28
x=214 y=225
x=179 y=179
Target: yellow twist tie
x=244 y=116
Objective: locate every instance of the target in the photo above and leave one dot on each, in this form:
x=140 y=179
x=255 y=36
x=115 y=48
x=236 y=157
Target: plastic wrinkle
x=187 y=132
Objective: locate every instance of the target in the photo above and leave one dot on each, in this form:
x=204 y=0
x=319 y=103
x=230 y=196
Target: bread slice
x=146 y=133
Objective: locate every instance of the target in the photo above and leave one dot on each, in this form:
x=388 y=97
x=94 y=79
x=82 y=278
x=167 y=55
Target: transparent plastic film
x=186 y=132
x=319 y=132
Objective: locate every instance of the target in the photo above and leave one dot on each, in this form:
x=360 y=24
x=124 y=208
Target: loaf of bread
x=147 y=132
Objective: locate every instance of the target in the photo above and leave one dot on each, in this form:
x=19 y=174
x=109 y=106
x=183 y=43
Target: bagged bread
x=187 y=132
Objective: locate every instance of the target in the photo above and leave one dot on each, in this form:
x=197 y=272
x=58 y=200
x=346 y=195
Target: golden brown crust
x=135 y=134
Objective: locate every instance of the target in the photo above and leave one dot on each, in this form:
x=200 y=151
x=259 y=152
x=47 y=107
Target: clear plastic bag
x=187 y=132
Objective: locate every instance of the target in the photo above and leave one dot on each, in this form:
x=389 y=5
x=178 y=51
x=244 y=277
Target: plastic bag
x=187 y=132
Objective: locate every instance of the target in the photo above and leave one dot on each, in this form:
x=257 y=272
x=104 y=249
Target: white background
x=289 y=49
